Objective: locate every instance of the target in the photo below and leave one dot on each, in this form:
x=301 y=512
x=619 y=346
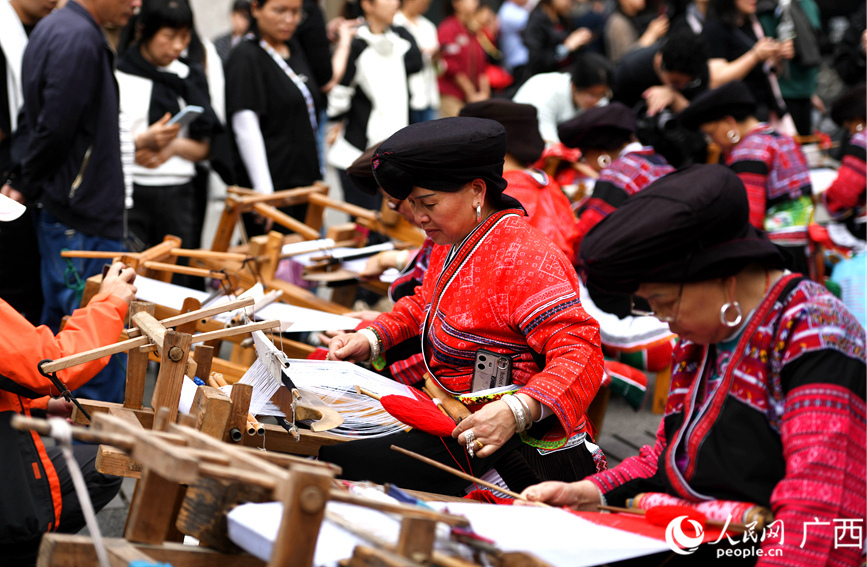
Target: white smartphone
x=186 y=115
x=491 y=370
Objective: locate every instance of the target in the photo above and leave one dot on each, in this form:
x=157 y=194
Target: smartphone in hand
x=186 y=116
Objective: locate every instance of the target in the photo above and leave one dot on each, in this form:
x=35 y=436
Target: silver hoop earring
x=725 y=309
x=604 y=161
x=479 y=212
x=734 y=136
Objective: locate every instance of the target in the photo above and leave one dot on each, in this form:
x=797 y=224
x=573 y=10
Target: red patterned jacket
x=626 y=176
x=775 y=173
x=784 y=428
x=548 y=208
x=509 y=290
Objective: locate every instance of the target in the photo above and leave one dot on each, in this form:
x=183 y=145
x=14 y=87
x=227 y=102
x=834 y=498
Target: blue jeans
x=60 y=280
x=416 y=116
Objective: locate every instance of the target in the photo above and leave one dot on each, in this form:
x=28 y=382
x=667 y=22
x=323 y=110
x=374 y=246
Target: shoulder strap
x=14 y=387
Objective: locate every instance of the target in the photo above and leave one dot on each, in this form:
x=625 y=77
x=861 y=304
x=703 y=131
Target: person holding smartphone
x=495 y=283
x=156 y=84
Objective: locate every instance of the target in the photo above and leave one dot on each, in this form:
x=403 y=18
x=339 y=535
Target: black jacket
x=72 y=163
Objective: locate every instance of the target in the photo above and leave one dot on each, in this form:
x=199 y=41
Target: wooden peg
x=173 y=363
x=241 y=395
x=137 y=364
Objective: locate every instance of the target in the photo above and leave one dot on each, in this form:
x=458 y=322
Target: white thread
x=62 y=433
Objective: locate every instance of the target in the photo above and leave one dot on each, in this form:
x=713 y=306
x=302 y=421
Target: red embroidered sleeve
x=24 y=346
x=555 y=324
x=632 y=468
x=823 y=438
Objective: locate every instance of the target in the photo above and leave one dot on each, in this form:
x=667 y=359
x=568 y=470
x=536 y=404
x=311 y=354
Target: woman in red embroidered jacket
x=606 y=137
x=770 y=164
x=37 y=490
x=767 y=393
x=547 y=207
x=494 y=283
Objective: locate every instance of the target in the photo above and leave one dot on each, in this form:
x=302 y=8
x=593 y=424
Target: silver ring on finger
x=470 y=441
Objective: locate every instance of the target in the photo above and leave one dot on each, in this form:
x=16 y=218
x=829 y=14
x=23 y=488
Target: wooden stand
x=184 y=457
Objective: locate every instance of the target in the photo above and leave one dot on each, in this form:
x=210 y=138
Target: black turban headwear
x=361 y=172
x=601 y=127
x=444 y=155
x=521 y=122
x=690 y=225
x=731 y=99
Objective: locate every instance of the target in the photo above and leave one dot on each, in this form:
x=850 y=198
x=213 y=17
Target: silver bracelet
x=375 y=345
x=521 y=418
x=526 y=409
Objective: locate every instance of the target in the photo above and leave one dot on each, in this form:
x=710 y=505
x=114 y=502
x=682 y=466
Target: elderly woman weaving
x=767 y=389
x=495 y=284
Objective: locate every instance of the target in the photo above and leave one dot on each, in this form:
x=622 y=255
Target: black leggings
x=102 y=489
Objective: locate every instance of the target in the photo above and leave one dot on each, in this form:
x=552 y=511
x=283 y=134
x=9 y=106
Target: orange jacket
x=33 y=505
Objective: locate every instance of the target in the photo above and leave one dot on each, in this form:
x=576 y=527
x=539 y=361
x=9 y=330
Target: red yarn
x=488 y=497
x=663 y=515
x=419 y=414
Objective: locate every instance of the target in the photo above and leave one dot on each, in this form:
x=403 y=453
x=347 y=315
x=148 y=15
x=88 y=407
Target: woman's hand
x=581 y=496
x=492 y=425
x=578 y=39
x=786 y=49
x=158 y=134
x=657 y=28
x=59 y=407
x=13 y=194
x=375 y=266
x=151 y=159
x=365 y=315
x=118 y=282
x=350 y=346
x=765 y=48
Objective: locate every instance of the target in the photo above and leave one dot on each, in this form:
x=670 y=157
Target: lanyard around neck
x=305 y=92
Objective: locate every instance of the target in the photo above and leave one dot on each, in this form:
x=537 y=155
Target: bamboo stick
x=199 y=314
x=227 y=332
x=175 y=269
x=210 y=255
x=123 y=346
x=93 y=254
x=463 y=475
x=402 y=509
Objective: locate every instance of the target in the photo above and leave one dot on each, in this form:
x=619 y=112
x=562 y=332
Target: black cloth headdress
x=690 y=225
x=521 y=122
x=731 y=99
x=444 y=155
x=601 y=127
